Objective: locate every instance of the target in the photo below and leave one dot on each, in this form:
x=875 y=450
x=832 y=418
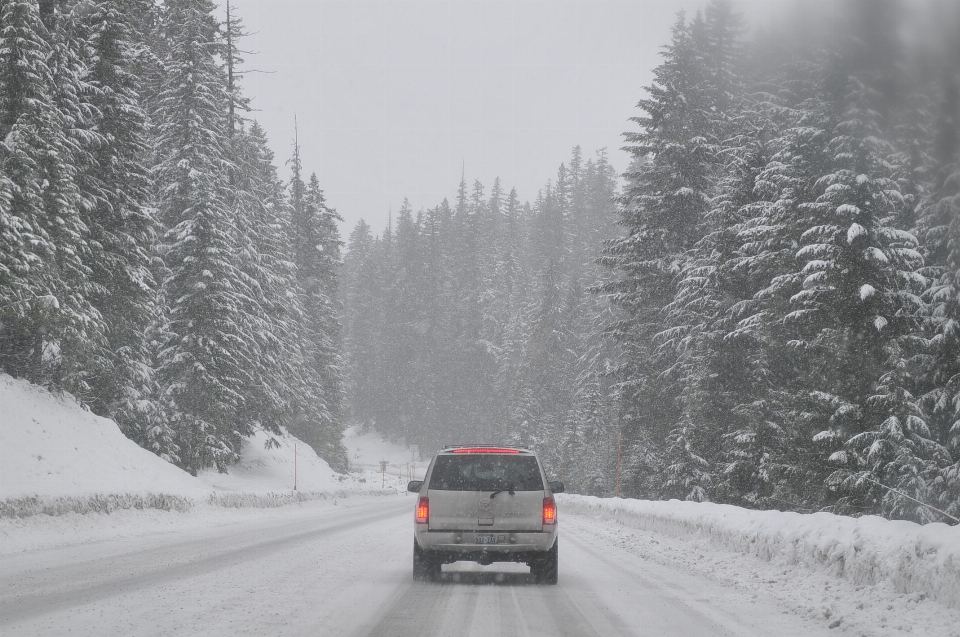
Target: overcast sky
x=392 y=97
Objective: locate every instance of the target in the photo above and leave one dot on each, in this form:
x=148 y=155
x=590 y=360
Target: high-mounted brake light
x=485 y=450
x=549 y=511
x=423 y=511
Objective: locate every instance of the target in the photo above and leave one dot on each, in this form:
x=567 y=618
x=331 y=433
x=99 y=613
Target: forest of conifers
x=151 y=261
x=767 y=310
x=762 y=310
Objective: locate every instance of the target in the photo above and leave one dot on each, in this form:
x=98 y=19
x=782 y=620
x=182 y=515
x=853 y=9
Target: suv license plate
x=485 y=539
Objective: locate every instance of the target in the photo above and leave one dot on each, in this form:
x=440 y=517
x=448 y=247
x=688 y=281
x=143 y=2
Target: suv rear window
x=486 y=472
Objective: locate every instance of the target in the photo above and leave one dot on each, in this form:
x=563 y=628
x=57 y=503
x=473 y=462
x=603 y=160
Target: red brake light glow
x=423 y=511
x=549 y=511
x=485 y=450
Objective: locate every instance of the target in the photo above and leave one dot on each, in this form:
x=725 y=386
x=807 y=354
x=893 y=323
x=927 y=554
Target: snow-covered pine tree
x=600 y=189
x=115 y=183
x=725 y=61
x=206 y=352
x=542 y=393
x=328 y=267
x=499 y=274
x=360 y=297
x=150 y=49
x=384 y=399
x=434 y=325
x=591 y=459
x=48 y=321
x=470 y=381
x=511 y=296
x=403 y=337
x=697 y=330
x=25 y=86
x=858 y=296
x=737 y=404
x=290 y=255
x=773 y=450
x=591 y=423
x=662 y=210
x=312 y=233
x=904 y=451
x=494 y=303
x=939 y=226
x=327 y=315
x=233 y=32
x=272 y=308
x=69 y=63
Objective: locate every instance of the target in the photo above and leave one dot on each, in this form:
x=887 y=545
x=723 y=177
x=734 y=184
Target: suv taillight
x=549 y=511
x=423 y=511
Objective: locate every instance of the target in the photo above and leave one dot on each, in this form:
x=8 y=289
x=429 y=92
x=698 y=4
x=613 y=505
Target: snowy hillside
x=57 y=457
x=51 y=447
x=265 y=469
x=365 y=451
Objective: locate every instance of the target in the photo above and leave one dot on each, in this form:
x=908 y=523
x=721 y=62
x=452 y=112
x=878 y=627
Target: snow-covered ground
x=369 y=448
x=627 y=567
x=344 y=568
x=50 y=447
x=56 y=457
x=867 y=576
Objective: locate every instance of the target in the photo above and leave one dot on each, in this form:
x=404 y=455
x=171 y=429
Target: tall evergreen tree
x=272 y=311
x=858 y=296
x=360 y=297
x=313 y=233
x=318 y=270
x=207 y=352
x=121 y=228
x=939 y=223
x=48 y=321
x=661 y=209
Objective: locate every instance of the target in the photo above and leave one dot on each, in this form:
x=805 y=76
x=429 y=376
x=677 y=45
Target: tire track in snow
x=415 y=612
x=466 y=603
x=674 y=600
x=25 y=596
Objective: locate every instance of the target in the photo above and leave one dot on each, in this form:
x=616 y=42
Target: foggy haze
x=394 y=98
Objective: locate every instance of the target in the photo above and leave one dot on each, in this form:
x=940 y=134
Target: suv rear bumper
x=462 y=544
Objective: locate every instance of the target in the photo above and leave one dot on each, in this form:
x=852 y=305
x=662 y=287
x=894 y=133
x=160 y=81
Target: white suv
x=485 y=504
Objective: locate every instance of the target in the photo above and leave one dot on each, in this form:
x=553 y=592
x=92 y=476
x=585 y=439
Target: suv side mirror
x=414 y=486
x=556 y=486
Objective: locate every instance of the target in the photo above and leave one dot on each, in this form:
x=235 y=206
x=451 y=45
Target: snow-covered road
x=345 y=570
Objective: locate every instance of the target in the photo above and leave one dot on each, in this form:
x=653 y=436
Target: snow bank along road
x=345 y=570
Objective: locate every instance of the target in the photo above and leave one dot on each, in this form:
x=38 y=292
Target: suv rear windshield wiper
x=508 y=490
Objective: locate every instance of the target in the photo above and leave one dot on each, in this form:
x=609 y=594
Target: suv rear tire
x=425 y=569
x=545 y=570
